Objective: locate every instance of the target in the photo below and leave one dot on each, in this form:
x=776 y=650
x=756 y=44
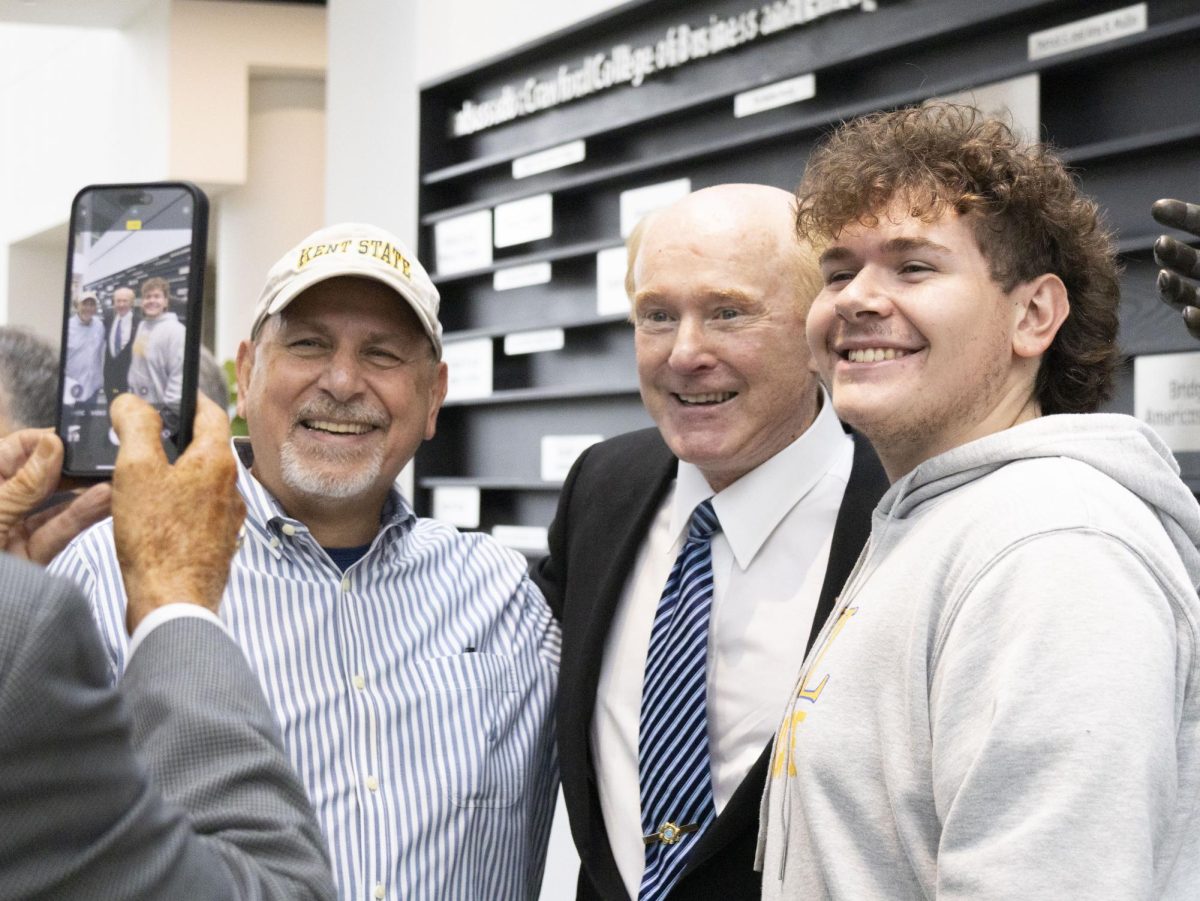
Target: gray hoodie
x=1005 y=702
x=156 y=365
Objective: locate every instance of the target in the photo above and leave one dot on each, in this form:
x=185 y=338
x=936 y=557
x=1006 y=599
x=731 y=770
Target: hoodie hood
x=1121 y=447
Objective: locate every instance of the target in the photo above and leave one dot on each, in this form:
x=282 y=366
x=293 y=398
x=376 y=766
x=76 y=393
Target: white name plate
x=1017 y=100
x=1088 y=32
x=559 y=453
x=610 y=281
x=637 y=202
x=551 y=158
x=520 y=276
x=1166 y=396
x=522 y=221
x=523 y=538
x=463 y=243
x=470 y=368
x=534 y=342
x=457 y=505
x=773 y=96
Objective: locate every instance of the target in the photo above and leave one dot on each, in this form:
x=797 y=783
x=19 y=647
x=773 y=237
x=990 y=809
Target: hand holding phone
x=131 y=317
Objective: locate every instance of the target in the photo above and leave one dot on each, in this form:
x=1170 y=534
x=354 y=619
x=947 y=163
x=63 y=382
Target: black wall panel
x=1125 y=111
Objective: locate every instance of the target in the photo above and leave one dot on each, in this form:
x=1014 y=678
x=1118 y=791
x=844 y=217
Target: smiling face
x=922 y=350
x=122 y=301
x=338 y=392
x=718 y=309
x=154 y=303
x=87 y=310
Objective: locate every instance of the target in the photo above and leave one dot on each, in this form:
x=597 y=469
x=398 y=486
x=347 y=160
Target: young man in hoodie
x=1006 y=701
x=156 y=366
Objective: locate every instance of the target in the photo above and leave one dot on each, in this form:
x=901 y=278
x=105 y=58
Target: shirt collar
x=265 y=515
x=751 y=508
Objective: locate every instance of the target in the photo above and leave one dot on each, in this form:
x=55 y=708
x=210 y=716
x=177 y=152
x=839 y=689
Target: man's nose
x=343 y=376
x=864 y=295
x=693 y=347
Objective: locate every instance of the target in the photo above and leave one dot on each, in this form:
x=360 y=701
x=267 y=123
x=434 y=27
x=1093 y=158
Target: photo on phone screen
x=131 y=317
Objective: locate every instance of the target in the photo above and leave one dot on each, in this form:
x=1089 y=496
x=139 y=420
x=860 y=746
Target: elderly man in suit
x=173 y=785
x=669 y=697
x=118 y=342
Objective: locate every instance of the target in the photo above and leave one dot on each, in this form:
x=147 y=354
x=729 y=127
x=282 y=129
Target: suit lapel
x=633 y=502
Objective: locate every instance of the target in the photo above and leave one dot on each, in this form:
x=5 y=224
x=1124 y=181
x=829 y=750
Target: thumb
x=34 y=481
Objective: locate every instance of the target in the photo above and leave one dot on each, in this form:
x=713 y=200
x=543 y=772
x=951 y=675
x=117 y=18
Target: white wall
x=372 y=133
x=459 y=33
x=281 y=201
x=216 y=47
x=37 y=280
x=164 y=92
x=66 y=98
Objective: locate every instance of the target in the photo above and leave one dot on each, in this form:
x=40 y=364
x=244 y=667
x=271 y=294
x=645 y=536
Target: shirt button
x=359 y=682
x=372 y=783
x=288 y=529
x=274 y=542
x=346 y=584
x=379 y=892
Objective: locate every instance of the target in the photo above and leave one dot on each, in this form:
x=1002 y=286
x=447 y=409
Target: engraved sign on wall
x=773 y=96
x=463 y=243
x=610 y=281
x=521 y=276
x=637 y=202
x=469 y=365
x=525 y=220
x=457 y=505
x=1088 y=32
x=567 y=154
x=1166 y=396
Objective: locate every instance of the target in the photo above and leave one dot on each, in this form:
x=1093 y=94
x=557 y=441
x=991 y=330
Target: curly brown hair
x=1026 y=211
x=156 y=284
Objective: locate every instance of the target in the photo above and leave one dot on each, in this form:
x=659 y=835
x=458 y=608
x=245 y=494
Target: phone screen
x=131 y=317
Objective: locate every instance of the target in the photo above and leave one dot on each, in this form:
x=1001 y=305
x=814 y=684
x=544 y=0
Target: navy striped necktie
x=673 y=761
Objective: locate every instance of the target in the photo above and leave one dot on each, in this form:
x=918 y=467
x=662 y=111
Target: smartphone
x=131 y=315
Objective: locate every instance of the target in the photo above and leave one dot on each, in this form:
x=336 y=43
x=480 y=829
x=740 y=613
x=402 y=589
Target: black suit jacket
x=604 y=513
x=116 y=369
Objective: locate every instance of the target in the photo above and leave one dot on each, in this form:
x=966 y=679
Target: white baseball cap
x=351 y=249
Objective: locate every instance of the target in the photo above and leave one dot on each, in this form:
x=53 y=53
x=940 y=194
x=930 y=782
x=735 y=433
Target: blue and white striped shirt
x=414 y=692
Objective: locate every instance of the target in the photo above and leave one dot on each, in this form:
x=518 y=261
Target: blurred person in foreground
x=173 y=784
x=412 y=667
x=1006 y=701
x=1181 y=263
x=28 y=380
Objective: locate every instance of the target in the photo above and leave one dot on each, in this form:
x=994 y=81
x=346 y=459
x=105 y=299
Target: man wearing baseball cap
x=85 y=352
x=411 y=667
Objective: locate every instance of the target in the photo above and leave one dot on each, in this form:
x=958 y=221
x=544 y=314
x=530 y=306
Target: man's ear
x=437 y=396
x=245 y=365
x=1041 y=307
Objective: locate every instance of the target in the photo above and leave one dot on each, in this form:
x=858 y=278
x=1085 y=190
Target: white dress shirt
x=165 y=614
x=769 y=563
x=126 y=329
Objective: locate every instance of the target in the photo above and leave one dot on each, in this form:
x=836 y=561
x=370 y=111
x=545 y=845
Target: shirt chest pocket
x=469 y=713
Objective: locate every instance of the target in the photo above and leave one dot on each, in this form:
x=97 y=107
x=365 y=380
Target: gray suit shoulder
x=159 y=827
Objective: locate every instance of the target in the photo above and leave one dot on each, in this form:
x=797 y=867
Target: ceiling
x=89 y=13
